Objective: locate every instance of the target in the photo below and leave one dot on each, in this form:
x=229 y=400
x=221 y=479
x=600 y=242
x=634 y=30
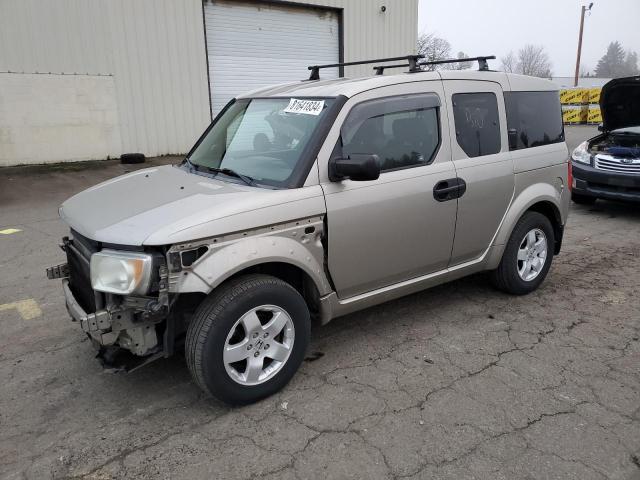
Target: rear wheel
x=247 y=339
x=582 y=199
x=527 y=257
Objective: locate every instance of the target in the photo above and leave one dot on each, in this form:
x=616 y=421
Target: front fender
x=291 y=245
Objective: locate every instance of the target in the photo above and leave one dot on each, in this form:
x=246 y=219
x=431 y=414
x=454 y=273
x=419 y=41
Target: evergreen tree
x=612 y=64
x=631 y=63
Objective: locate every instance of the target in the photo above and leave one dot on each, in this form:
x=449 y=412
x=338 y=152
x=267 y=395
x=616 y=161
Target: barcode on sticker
x=309 y=107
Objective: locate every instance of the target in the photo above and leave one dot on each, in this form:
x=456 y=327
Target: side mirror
x=357 y=166
x=601 y=127
x=512 y=136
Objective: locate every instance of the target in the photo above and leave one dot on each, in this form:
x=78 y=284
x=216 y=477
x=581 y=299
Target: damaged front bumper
x=125 y=332
x=89 y=322
x=114 y=327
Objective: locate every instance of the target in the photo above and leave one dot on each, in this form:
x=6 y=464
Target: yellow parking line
x=9 y=231
x=27 y=309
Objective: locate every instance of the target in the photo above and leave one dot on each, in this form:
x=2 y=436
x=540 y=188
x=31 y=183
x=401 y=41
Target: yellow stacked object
x=594 y=116
x=574 y=114
x=564 y=96
x=580 y=105
x=594 y=95
x=574 y=96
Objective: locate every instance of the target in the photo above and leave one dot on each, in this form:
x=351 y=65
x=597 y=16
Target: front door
x=392 y=229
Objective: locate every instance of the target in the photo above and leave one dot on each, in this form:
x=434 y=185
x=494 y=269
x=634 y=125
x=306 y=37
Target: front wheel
x=527 y=257
x=247 y=339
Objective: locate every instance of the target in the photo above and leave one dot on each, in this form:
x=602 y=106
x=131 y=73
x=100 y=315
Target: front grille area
x=618 y=164
x=79 y=251
x=614 y=188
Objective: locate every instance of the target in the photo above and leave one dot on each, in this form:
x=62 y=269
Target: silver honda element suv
x=310 y=200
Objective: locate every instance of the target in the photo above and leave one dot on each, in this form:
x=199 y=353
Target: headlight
x=581 y=153
x=122 y=273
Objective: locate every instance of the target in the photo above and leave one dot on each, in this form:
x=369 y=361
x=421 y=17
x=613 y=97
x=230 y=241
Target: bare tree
x=531 y=60
x=509 y=63
x=433 y=48
x=534 y=61
x=461 y=65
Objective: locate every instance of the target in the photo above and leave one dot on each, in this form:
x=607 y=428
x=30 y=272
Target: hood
x=620 y=103
x=166 y=205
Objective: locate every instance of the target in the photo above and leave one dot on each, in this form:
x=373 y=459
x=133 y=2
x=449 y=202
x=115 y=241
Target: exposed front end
x=119 y=297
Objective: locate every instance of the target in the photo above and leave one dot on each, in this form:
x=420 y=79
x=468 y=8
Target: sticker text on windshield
x=308 y=107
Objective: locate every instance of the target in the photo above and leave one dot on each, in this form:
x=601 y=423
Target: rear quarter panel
x=546 y=184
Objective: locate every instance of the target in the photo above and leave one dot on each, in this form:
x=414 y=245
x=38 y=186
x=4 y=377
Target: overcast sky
x=493 y=27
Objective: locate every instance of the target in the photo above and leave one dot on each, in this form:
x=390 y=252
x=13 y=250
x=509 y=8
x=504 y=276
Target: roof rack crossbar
x=412 y=59
x=380 y=68
x=482 y=62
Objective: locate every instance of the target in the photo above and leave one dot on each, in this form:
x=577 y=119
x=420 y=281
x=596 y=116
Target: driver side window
x=401 y=136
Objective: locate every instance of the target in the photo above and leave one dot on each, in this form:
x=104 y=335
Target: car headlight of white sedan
x=581 y=153
x=122 y=273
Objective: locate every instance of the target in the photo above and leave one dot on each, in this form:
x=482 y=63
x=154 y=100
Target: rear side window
x=533 y=119
x=477 y=123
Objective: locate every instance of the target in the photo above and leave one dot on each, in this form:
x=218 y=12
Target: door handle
x=449 y=189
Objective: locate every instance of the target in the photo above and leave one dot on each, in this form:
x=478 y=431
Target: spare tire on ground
x=132 y=158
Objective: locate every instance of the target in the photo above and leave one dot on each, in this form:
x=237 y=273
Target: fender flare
x=224 y=261
x=530 y=196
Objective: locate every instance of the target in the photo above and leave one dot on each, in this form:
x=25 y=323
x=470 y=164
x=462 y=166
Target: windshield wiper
x=192 y=166
x=232 y=173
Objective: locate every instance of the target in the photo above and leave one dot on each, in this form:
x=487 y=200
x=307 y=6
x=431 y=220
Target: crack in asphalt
x=454 y=379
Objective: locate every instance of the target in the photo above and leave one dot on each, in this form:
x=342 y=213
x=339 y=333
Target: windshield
x=263 y=140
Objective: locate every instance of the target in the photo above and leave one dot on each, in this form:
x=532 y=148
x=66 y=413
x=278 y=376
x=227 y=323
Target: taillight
x=569 y=175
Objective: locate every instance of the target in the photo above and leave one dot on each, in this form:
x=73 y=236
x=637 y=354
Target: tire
x=131 y=158
x=225 y=324
x=508 y=277
x=582 y=199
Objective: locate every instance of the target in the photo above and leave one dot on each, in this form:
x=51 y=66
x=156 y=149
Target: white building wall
x=154 y=52
x=567 y=82
x=63 y=117
x=371 y=33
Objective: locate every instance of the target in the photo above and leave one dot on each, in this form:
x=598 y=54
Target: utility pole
x=584 y=9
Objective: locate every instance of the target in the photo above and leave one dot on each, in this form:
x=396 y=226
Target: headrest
x=408 y=130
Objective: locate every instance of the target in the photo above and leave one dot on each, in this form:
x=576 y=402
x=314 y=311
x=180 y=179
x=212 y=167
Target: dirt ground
x=457 y=382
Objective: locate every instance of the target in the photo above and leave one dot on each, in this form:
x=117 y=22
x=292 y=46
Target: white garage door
x=252 y=45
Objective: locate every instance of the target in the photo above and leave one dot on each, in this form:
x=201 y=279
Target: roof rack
x=412 y=59
x=482 y=64
x=380 y=68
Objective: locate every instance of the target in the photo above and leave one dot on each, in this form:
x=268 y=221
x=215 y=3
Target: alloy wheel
x=258 y=345
x=532 y=254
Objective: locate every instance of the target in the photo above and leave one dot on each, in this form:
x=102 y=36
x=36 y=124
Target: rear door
x=392 y=229
x=480 y=153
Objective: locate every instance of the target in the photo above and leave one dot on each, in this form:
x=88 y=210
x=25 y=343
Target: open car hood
x=620 y=103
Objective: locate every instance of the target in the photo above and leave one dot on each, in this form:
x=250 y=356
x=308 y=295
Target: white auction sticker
x=308 y=107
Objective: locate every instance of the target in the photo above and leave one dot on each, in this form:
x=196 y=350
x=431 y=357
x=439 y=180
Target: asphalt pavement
x=456 y=382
